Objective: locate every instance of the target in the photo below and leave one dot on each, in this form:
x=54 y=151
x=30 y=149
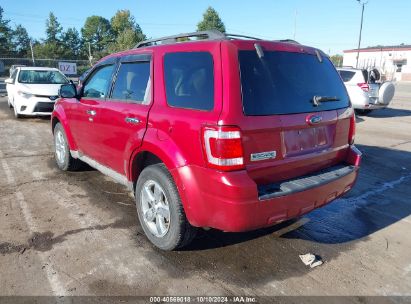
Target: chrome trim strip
x=119 y=178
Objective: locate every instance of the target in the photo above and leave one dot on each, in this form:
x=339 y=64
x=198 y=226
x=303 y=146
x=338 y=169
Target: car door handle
x=132 y=120
x=91 y=112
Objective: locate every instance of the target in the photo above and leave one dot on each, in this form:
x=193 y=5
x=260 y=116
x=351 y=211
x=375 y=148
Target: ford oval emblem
x=314 y=119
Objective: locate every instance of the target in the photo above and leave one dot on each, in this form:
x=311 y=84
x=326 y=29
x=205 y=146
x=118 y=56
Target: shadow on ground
x=389 y=112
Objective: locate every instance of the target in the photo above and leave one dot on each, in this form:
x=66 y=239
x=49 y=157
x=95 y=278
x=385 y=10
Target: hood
x=40 y=89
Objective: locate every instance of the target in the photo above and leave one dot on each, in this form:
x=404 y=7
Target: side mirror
x=9 y=80
x=68 y=91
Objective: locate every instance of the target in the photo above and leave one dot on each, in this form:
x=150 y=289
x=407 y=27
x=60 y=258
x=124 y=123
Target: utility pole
x=90 y=57
x=32 y=53
x=362 y=3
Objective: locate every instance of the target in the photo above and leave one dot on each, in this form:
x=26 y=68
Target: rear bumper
x=374 y=106
x=232 y=201
x=368 y=103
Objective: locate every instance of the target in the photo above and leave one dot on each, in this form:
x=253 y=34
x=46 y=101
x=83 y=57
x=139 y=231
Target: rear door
x=285 y=132
x=123 y=116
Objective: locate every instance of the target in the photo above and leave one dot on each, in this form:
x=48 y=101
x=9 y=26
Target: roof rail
x=203 y=35
x=289 y=41
x=230 y=36
x=207 y=35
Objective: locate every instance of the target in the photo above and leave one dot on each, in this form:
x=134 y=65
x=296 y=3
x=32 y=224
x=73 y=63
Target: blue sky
x=331 y=25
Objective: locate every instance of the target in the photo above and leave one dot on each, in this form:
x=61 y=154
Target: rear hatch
x=297 y=114
x=370 y=87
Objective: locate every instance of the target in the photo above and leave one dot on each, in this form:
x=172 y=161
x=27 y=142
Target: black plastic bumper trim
x=305 y=182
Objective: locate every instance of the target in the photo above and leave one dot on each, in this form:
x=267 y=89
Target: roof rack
x=289 y=41
x=202 y=35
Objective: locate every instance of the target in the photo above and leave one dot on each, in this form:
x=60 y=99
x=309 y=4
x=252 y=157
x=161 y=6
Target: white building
x=393 y=61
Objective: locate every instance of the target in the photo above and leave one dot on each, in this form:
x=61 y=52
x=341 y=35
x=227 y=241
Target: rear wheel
x=62 y=154
x=160 y=211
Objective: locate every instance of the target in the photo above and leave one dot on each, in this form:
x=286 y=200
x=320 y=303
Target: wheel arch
x=61 y=118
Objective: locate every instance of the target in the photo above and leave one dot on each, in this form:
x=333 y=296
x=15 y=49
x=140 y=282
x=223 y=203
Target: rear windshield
x=42 y=77
x=346 y=75
x=286 y=83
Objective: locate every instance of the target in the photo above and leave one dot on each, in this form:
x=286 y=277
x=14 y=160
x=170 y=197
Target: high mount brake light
x=223 y=148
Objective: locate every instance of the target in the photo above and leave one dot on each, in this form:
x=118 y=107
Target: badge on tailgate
x=263 y=155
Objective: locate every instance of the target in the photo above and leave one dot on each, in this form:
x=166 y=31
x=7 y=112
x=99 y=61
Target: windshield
x=42 y=77
x=286 y=83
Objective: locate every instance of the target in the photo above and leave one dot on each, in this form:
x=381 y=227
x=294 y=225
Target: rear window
x=346 y=75
x=189 y=79
x=285 y=83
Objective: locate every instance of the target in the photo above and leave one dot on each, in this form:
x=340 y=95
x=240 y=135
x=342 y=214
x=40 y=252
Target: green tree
x=211 y=20
x=6 y=46
x=47 y=50
x=337 y=60
x=126 y=31
x=97 y=31
x=53 y=29
x=72 y=43
x=126 y=40
x=21 y=41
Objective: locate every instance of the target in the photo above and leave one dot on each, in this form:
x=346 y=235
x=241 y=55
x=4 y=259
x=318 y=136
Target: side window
x=133 y=82
x=189 y=79
x=97 y=85
x=346 y=75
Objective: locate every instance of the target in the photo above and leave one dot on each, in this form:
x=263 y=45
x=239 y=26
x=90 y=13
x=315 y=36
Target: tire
x=361 y=112
x=8 y=102
x=174 y=233
x=16 y=114
x=386 y=93
x=62 y=155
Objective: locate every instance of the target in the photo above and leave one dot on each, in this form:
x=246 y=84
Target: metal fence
x=7 y=62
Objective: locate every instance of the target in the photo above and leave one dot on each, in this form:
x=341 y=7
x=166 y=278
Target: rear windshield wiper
x=317 y=100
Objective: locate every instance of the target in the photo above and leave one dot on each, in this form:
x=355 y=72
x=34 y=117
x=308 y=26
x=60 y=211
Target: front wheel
x=62 y=154
x=8 y=102
x=16 y=114
x=160 y=211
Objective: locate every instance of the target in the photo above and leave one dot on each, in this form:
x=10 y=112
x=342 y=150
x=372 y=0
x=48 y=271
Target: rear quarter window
x=346 y=75
x=286 y=82
x=189 y=80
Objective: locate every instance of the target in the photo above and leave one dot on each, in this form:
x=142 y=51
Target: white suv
x=365 y=92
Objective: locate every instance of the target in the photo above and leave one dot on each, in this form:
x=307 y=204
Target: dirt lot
x=77 y=233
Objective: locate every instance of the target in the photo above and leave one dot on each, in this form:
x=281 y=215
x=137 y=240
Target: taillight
x=351 y=135
x=364 y=86
x=223 y=149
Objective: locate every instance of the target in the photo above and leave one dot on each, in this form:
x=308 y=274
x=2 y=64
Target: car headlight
x=24 y=94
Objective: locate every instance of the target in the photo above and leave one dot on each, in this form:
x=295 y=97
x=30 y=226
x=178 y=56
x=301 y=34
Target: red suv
x=222 y=131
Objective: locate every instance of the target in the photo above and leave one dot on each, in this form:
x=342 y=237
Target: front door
x=84 y=114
